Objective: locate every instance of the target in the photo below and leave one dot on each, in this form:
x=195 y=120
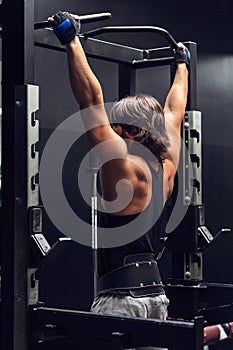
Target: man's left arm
x=176 y=101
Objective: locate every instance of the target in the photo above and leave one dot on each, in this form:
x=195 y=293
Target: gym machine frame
x=187 y=254
x=24 y=324
x=186 y=247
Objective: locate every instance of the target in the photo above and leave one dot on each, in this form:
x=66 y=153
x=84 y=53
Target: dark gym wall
x=68 y=281
x=215 y=100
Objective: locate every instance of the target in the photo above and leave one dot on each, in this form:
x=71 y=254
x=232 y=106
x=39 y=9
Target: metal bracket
x=32 y=139
x=193 y=267
x=27 y=103
x=33 y=287
x=192 y=158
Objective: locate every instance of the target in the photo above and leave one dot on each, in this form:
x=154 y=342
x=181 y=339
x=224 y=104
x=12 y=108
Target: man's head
x=141 y=118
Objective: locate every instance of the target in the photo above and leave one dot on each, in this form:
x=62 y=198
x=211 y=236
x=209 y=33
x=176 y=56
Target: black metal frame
x=88 y=330
x=14 y=218
x=128 y=58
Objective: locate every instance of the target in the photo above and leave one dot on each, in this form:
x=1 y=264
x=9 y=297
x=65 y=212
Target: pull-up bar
x=114 y=29
x=133 y=29
x=83 y=19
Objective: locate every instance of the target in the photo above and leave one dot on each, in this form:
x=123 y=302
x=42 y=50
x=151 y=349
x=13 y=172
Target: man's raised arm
x=176 y=101
x=85 y=85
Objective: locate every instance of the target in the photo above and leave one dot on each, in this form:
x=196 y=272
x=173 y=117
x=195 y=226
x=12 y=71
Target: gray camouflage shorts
x=127 y=305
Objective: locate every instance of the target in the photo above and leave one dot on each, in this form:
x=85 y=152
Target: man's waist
x=139 y=272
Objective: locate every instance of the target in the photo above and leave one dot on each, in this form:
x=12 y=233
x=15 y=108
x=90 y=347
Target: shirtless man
x=146 y=180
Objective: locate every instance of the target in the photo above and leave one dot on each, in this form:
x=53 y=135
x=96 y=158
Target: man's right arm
x=87 y=90
x=86 y=87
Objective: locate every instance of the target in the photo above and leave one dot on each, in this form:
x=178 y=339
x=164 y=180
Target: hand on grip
x=65 y=26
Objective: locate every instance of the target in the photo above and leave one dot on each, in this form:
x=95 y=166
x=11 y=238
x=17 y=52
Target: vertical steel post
x=192 y=94
x=126 y=80
x=17 y=70
x=186 y=260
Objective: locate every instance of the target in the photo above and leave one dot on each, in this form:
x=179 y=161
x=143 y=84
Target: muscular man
x=139 y=154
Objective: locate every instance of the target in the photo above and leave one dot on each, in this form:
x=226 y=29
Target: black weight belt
x=139 y=274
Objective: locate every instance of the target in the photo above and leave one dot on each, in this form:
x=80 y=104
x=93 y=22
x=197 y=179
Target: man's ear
x=129 y=136
x=118 y=129
x=121 y=132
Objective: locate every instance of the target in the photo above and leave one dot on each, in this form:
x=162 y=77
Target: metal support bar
x=85 y=326
x=188 y=300
x=153 y=62
x=27 y=103
x=184 y=299
x=1 y=14
x=217 y=293
x=14 y=220
x=83 y=19
x=23 y=18
x=94 y=48
x=158 y=52
x=219 y=314
x=109 y=51
x=93 y=170
x=183 y=243
x=193 y=266
x=192 y=88
x=134 y=29
x=19 y=288
x=127 y=83
x=192 y=158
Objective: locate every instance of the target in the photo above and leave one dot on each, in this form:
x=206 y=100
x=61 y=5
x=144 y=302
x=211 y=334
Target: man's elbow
x=90 y=100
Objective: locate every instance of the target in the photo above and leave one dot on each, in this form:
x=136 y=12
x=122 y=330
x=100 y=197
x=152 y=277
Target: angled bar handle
x=127 y=29
x=83 y=19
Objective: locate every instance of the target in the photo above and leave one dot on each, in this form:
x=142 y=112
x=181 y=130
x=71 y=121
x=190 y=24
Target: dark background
x=67 y=281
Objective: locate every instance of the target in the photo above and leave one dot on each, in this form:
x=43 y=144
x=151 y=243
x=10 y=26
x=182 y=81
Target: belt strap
x=137 y=273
